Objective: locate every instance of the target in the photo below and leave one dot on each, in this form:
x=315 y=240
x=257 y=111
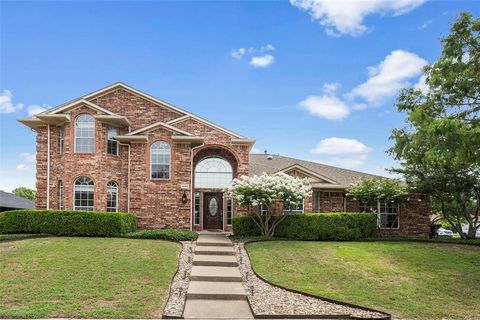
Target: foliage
x=267 y=190
x=164 y=234
x=411 y=280
x=439 y=149
x=315 y=226
x=25 y=192
x=89 y=278
x=67 y=222
x=378 y=189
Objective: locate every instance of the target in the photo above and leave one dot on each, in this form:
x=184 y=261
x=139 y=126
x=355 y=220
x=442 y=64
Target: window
x=293 y=208
x=83 y=194
x=263 y=209
x=387 y=213
x=196 y=208
x=60 y=195
x=61 y=140
x=112 y=144
x=229 y=211
x=85 y=134
x=213 y=173
x=160 y=160
x=112 y=197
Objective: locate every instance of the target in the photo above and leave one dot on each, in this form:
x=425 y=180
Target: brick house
x=119 y=149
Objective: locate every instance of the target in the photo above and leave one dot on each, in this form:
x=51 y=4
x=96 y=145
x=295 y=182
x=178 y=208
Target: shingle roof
x=259 y=164
x=10 y=200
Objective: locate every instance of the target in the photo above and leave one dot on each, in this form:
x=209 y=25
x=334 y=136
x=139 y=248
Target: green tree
x=25 y=192
x=378 y=189
x=439 y=148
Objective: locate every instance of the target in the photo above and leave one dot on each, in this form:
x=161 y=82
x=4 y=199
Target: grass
x=85 y=277
x=19 y=236
x=411 y=280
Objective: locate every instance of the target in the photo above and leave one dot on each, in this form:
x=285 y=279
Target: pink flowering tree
x=266 y=190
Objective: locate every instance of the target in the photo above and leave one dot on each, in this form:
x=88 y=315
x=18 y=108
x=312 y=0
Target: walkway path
x=215 y=289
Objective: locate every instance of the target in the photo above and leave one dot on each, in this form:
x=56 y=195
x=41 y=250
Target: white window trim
x=108 y=139
x=384 y=213
x=117 y=196
x=199 y=206
x=169 y=164
x=73 y=195
x=75 y=134
x=295 y=211
x=226 y=211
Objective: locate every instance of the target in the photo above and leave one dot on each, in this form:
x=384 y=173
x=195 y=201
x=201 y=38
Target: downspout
x=48 y=166
x=191 y=182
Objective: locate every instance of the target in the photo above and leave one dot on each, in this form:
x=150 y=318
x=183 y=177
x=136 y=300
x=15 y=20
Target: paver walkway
x=216 y=290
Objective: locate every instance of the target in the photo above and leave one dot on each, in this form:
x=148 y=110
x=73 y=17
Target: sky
x=315 y=80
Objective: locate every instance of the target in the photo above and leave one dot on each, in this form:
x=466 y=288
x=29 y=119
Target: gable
x=304 y=173
x=204 y=128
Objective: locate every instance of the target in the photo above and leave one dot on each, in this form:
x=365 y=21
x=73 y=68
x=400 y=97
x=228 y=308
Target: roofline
x=157 y=124
x=74 y=103
x=187 y=116
x=309 y=171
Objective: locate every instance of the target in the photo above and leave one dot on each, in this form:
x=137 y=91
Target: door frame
x=221 y=207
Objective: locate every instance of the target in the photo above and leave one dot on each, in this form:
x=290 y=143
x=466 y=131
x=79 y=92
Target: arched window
x=60 y=195
x=83 y=194
x=112 y=196
x=160 y=160
x=85 y=134
x=215 y=173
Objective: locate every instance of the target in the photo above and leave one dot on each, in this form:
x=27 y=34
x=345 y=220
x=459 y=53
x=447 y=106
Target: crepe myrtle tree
x=378 y=189
x=267 y=190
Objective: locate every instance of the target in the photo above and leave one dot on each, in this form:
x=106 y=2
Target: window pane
x=85 y=133
x=112 y=144
x=83 y=194
x=214 y=173
x=112 y=197
x=196 y=208
x=160 y=160
x=229 y=211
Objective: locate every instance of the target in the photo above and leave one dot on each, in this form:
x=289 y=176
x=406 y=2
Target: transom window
x=213 y=173
x=160 y=160
x=112 y=144
x=83 y=194
x=112 y=197
x=85 y=134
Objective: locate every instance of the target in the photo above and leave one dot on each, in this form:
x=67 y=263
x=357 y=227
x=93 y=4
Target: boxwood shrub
x=67 y=222
x=164 y=234
x=315 y=226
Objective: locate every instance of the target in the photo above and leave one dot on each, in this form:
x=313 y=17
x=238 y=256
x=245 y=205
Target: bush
x=164 y=234
x=315 y=226
x=67 y=222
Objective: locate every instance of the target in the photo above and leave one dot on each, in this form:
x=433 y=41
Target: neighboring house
x=119 y=149
x=10 y=201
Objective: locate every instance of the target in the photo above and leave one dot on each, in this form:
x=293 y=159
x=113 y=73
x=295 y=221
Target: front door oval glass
x=213 y=207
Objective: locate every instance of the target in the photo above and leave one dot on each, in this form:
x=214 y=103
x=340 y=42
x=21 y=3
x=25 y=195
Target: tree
x=25 y=192
x=267 y=190
x=439 y=149
x=378 y=189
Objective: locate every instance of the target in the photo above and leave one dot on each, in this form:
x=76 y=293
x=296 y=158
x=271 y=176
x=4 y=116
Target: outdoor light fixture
x=184 y=197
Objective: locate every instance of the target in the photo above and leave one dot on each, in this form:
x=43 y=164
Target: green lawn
x=85 y=277
x=408 y=279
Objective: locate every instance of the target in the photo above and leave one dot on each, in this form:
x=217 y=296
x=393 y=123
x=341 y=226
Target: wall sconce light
x=184 y=197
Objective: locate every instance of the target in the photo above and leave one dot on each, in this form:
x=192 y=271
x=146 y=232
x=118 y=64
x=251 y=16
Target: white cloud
x=28 y=157
x=6 y=103
x=424 y=25
x=267 y=47
x=342 y=17
x=262 y=61
x=387 y=78
x=343 y=152
x=238 y=53
x=325 y=106
x=331 y=88
x=22 y=167
x=34 y=109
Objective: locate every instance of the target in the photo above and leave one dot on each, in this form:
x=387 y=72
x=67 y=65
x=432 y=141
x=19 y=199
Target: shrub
x=164 y=234
x=67 y=222
x=315 y=226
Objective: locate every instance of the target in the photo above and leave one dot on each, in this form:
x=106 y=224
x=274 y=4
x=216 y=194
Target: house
x=120 y=149
x=10 y=201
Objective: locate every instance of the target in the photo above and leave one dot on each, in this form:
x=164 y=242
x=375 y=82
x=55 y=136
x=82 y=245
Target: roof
x=10 y=200
x=259 y=164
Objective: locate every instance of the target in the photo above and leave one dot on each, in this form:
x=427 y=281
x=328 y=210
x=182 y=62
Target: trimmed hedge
x=315 y=226
x=67 y=222
x=164 y=234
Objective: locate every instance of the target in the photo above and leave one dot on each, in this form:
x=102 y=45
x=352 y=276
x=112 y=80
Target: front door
x=212 y=210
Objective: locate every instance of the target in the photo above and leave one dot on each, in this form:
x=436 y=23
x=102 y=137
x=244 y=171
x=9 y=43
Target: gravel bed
x=178 y=289
x=270 y=300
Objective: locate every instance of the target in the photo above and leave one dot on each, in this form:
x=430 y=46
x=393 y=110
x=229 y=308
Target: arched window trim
x=87 y=200
x=112 y=184
x=167 y=161
x=201 y=171
x=76 y=132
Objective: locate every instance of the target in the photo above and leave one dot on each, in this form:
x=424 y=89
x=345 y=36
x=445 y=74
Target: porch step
x=214 y=244
x=220 y=274
x=214 y=260
x=217 y=309
x=214 y=250
x=216 y=290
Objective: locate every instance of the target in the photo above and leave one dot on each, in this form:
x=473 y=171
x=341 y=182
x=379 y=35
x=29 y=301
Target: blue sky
x=309 y=79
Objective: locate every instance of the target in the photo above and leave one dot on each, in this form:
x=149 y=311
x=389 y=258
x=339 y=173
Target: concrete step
x=219 y=274
x=217 y=309
x=216 y=290
x=215 y=250
x=214 y=260
x=212 y=240
x=205 y=243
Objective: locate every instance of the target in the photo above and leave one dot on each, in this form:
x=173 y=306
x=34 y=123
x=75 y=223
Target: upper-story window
x=112 y=144
x=85 y=134
x=160 y=160
x=61 y=140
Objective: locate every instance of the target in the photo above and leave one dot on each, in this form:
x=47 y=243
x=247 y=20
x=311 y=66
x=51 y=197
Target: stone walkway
x=216 y=289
